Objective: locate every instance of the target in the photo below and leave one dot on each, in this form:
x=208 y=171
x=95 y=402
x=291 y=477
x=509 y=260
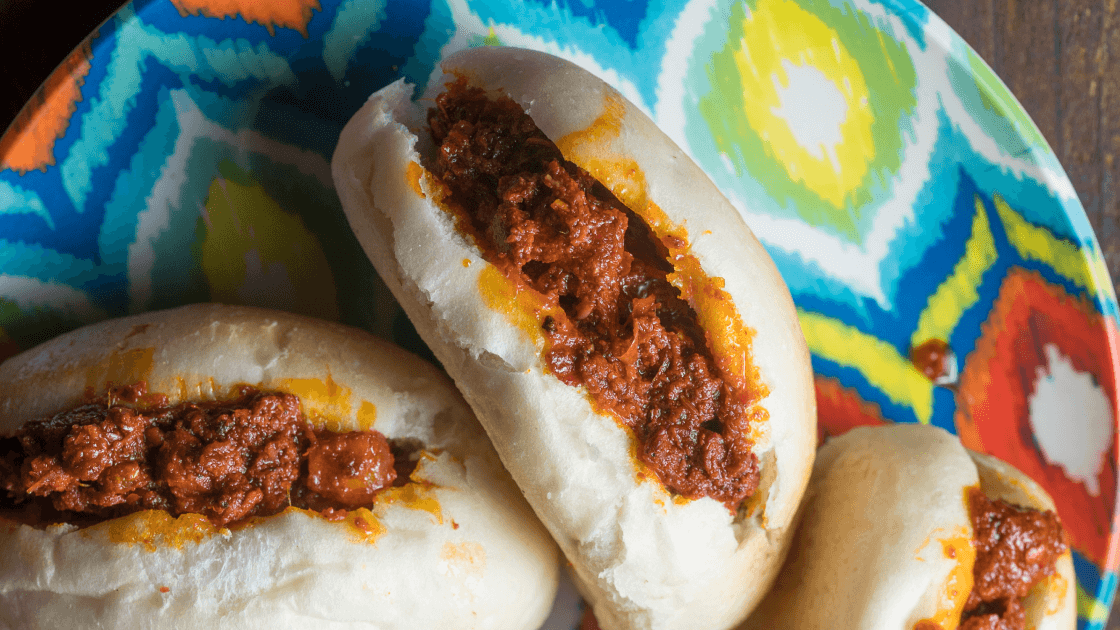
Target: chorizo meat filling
x=230 y=460
x=625 y=333
x=1015 y=549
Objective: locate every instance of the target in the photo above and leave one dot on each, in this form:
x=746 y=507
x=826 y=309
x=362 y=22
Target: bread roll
x=456 y=547
x=643 y=556
x=886 y=540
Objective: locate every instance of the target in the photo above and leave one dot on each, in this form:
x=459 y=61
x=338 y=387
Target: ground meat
x=228 y=460
x=1015 y=549
x=350 y=467
x=625 y=333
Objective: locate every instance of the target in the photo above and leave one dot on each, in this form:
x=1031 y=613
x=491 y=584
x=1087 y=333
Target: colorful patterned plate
x=181 y=154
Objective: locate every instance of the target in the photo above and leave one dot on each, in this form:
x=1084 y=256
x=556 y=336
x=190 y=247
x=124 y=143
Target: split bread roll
x=643 y=555
x=887 y=542
x=453 y=547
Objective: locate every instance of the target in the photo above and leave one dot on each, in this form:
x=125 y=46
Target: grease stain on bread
x=152 y=528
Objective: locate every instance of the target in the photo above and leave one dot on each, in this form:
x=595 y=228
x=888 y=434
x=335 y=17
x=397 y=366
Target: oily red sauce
x=228 y=460
x=931 y=357
x=1015 y=549
x=625 y=333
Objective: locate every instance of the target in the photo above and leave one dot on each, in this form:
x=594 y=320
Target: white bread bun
x=642 y=557
x=886 y=538
x=457 y=547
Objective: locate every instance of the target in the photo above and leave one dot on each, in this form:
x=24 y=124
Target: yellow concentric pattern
x=799 y=105
x=255 y=252
x=778 y=65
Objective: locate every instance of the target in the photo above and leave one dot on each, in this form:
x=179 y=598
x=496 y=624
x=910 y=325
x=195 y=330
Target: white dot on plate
x=1071 y=418
x=814 y=108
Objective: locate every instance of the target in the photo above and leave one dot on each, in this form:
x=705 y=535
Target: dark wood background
x=1061 y=58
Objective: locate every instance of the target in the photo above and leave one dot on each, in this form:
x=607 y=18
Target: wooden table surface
x=1061 y=58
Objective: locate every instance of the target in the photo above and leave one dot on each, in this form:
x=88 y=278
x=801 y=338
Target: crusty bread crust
x=883 y=506
x=457 y=548
x=643 y=558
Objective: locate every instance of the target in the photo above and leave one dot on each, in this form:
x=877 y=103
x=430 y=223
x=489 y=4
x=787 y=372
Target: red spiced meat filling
x=231 y=460
x=1015 y=549
x=625 y=333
